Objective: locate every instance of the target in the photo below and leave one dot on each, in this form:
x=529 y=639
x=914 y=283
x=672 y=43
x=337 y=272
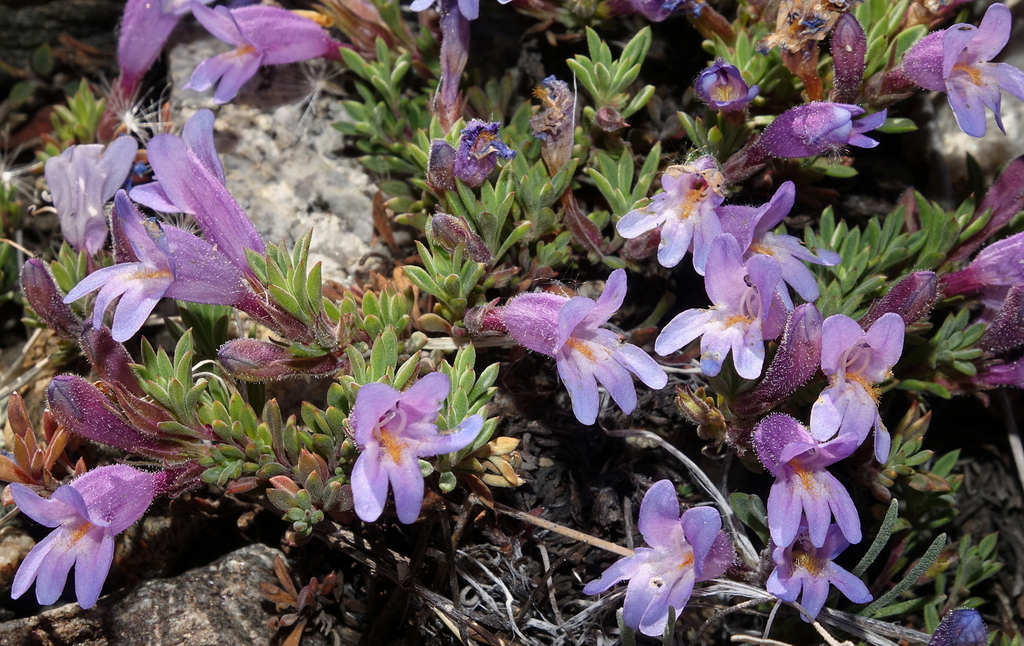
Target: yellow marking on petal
x=687 y=561
x=315 y=16
x=242 y=51
x=393 y=445
x=868 y=386
x=582 y=347
x=757 y=247
x=79 y=532
x=813 y=565
x=726 y=92
x=149 y=274
x=738 y=318
x=973 y=72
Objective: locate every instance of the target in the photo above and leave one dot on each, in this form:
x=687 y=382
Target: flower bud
x=109 y=359
x=1006 y=332
x=849 y=46
x=609 y=119
x=795 y=362
x=818 y=128
x=255 y=360
x=42 y=294
x=484 y=320
x=440 y=166
x=722 y=88
x=1004 y=374
x=912 y=298
x=448 y=231
x=80 y=408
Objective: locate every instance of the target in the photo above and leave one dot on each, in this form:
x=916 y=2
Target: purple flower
x=723 y=89
x=261 y=35
x=454 y=54
x=854 y=361
x=802 y=485
x=88 y=513
x=817 y=129
x=752 y=227
x=684 y=211
x=170 y=262
x=746 y=309
x=568 y=329
x=1006 y=331
x=653 y=10
x=683 y=550
x=1001 y=264
x=849 y=47
x=198 y=137
x=393 y=430
x=479 y=149
x=805 y=570
x=144 y=30
x=912 y=298
x=81 y=180
x=189 y=180
x=956 y=61
x=468 y=8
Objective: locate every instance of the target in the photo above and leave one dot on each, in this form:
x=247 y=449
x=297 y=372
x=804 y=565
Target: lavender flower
x=198 y=137
x=479 y=149
x=171 y=263
x=805 y=570
x=854 y=361
x=817 y=129
x=393 y=430
x=188 y=177
x=956 y=61
x=261 y=35
x=752 y=227
x=722 y=88
x=1001 y=264
x=1003 y=374
x=88 y=513
x=144 y=30
x=802 y=485
x=568 y=329
x=746 y=309
x=684 y=211
x=684 y=549
x=81 y=180
x=469 y=8
x=1006 y=331
x=454 y=54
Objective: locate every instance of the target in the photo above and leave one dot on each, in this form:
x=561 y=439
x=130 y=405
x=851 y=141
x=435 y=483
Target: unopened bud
x=912 y=298
x=849 y=46
x=448 y=232
x=440 y=166
x=42 y=294
x=1006 y=332
x=109 y=359
x=609 y=119
x=255 y=360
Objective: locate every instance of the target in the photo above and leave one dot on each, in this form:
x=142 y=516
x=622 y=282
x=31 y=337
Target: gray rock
x=282 y=157
x=220 y=604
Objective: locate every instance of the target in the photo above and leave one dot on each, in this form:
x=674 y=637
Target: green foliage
x=453 y=279
x=169 y=381
x=208 y=323
x=605 y=79
x=77 y=121
x=489 y=213
x=614 y=178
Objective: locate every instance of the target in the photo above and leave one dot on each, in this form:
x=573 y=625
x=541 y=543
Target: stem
x=564 y=531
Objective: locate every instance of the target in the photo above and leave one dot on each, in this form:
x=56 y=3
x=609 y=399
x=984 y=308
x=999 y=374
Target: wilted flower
x=804 y=570
x=449 y=232
x=746 y=309
x=684 y=212
x=817 y=129
x=555 y=124
x=81 y=180
x=753 y=229
x=568 y=329
x=803 y=488
x=722 y=88
x=261 y=35
x=171 y=263
x=956 y=61
x=478 y=152
x=198 y=137
x=393 y=430
x=854 y=361
x=684 y=549
x=88 y=513
x=144 y=30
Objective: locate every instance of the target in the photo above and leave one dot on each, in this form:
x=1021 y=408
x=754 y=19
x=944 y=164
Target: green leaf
x=897 y=125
